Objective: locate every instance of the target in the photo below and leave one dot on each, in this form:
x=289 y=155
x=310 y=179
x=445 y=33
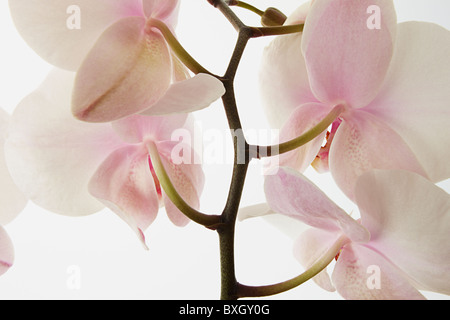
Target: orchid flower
x=390 y=80
x=77 y=168
x=403 y=233
x=12 y=200
x=123 y=62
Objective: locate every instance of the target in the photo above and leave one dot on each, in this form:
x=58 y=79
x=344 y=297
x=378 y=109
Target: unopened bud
x=273 y=17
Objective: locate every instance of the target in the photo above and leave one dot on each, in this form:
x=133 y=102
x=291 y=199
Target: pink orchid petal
x=6 y=251
x=50 y=155
x=363 y=142
x=347 y=60
x=300 y=121
x=363 y=274
x=414 y=99
x=189 y=95
x=161 y=9
x=125 y=184
x=186 y=176
x=126 y=72
x=49 y=26
x=12 y=199
x=284 y=83
x=138 y=128
x=292 y=228
x=290 y=193
x=409 y=220
x=310 y=246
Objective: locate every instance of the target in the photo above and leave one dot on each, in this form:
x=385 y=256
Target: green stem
x=209 y=221
x=318 y=266
x=177 y=48
x=277 y=30
x=267 y=31
x=247 y=6
x=300 y=140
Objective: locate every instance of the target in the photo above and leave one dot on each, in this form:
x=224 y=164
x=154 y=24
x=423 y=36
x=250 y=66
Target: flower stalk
x=247 y=6
x=176 y=47
x=302 y=139
x=317 y=267
x=209 y=221
x=277 y=30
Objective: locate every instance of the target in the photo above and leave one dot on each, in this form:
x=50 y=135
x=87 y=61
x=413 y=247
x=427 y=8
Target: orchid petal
x=138 y=128
x=288 y=226
x=50 y=155
x=189 y=95
x=283 y=80
x=409 y=219
x=48 y=28
x=310 y=246
x=6 y=251
x=186 y=176
x=346 y=59
x=299 y=15
x=125 y=73
x=300 y=121
x=414 y=99
x=124 y=183
x=11 y=197
x=180 y=71
x=284 y=83
x=257 y=210
x=363 y=142
x=160 y=9
x=363 y=274
x=290 y=193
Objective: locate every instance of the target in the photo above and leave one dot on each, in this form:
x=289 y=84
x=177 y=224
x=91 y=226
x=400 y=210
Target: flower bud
x=273 y=17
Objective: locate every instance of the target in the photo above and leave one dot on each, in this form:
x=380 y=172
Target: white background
x=182 y=263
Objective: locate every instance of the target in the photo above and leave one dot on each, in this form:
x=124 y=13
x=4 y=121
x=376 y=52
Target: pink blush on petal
x=131 y=9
